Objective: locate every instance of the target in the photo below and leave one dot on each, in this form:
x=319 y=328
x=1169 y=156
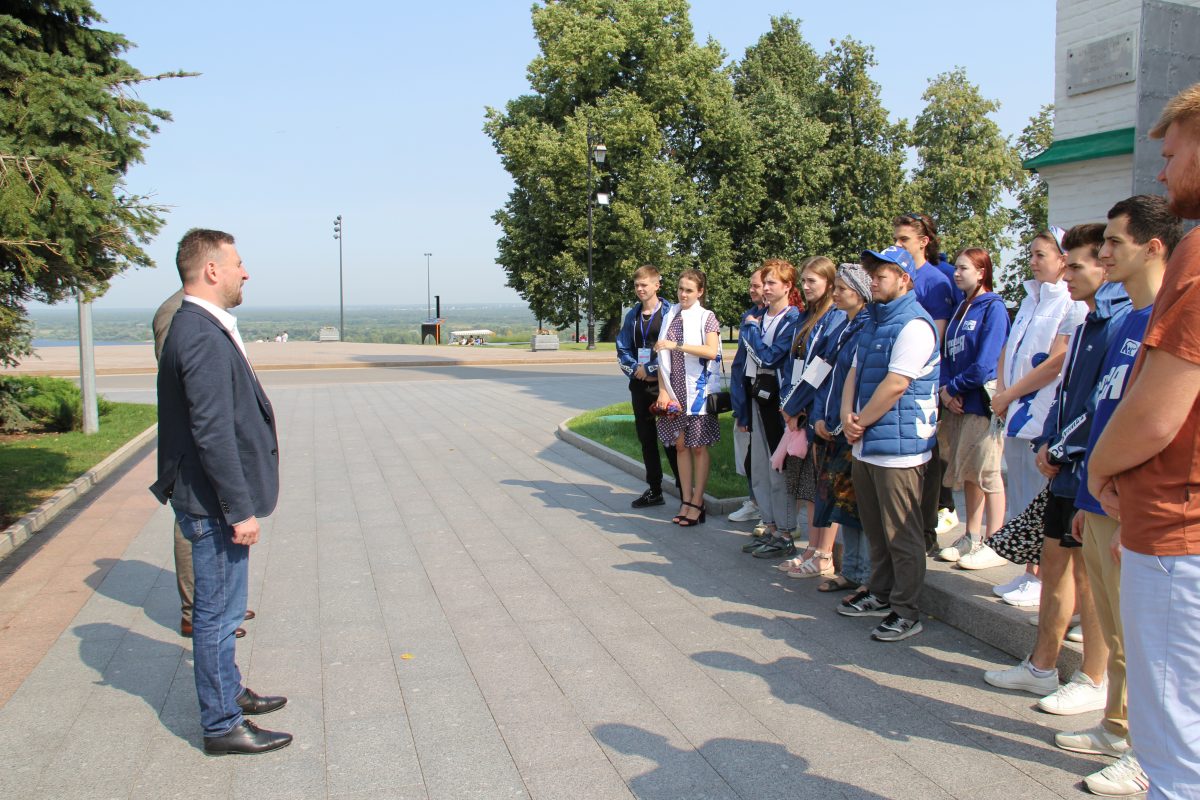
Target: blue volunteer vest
x=910 y=426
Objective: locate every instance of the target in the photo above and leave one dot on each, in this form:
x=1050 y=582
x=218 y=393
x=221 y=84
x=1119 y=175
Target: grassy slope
x=35 y=466
x=723 y=481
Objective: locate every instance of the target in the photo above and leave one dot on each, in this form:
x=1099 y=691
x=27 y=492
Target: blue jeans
x=218 y=608
x=856 y=554
x=1160 y=603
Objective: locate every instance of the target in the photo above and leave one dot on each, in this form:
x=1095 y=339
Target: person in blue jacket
x=836 y=501
x=805 y=373
x=890 y=416
x=1061 y=448
x=635 y=346
x=972 y=445
x=739 y=393
x=768 y=337
x=935 y=291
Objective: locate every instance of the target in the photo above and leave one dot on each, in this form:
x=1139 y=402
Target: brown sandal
x=836 y=584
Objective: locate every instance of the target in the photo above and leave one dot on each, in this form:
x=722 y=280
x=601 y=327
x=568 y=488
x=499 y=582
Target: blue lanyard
x=646 y=324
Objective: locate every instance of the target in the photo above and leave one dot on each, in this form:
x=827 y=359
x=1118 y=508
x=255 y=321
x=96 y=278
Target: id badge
x=643 y=355
x=816 y=372
x=751 y=369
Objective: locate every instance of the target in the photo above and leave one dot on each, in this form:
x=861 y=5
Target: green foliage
x=778 y=85
x=69 y=130
x=50 y=404
x=1033 y=201
x=965 y=165
x=865 y=152
x=681 y=168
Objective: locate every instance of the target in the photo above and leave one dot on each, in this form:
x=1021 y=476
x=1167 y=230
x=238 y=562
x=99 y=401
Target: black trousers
x=647 y=433
x=931 y=493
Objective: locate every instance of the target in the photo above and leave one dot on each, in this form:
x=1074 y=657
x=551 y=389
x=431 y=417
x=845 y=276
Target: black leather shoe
x=649 y=498
x=778 y=547
x=246 y=739
x=252 y=703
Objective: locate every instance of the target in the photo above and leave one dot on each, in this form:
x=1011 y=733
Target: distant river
x=75 y=343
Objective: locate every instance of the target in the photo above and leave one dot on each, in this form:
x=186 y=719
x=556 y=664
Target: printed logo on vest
x=1130 y=347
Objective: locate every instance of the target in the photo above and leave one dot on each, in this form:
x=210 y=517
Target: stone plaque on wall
x=1100 y=64
x=1168 y=62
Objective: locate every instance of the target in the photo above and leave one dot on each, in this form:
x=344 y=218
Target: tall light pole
x=596 y=151
x=428 y=291
x=337 y=234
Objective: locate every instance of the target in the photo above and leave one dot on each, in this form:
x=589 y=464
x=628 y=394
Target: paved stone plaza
x=459 y=605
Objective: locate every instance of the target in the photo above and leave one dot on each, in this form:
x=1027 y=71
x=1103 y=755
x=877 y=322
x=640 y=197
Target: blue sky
x=375 y=110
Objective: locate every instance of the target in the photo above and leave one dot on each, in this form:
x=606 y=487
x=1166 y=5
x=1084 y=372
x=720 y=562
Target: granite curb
x=23 y=529
x=960 y=598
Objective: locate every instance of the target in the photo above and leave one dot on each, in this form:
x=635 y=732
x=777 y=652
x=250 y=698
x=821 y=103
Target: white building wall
x=1084 y=191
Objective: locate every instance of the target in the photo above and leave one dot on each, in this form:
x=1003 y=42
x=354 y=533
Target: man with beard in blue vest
x=889 y=415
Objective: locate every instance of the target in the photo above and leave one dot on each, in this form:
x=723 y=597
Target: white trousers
x=1160 y=613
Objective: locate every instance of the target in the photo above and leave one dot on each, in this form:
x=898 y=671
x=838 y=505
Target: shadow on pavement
x=765 y=769
x=141 y=667
x=836 y=688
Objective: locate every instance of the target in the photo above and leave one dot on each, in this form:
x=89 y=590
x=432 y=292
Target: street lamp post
x=428 y=290
x=596 y=151
x=337 y=234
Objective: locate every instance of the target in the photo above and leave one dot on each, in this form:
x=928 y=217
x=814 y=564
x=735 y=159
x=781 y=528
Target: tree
x=69 y=130
x=1032 y=212
x=865 y=152
x=680 y=165
x=964 y=166
x=778 y=85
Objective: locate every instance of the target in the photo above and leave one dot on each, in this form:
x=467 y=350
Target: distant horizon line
x=69 y=307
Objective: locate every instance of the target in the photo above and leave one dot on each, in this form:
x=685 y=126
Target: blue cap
x=894 y=255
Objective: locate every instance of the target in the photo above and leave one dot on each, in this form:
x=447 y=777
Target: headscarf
x=856 y=277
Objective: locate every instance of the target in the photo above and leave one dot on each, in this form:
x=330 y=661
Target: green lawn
x=723 y=481
x=35 y=466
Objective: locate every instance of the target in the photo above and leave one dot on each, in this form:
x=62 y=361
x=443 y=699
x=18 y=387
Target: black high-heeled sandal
x=682 y=514
x=688 y=522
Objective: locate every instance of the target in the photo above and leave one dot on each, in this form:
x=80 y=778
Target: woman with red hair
x=971 y=444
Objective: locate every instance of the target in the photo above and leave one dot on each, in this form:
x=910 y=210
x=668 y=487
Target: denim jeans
x=1160 y=603
x=218 y=607
x=856 y=554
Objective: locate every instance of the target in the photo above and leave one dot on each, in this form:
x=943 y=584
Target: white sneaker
x=1077 y=696
x=947 y=520
x=1022 y=679
x=747 y=512
x=1028 y=593
x=1005 y=588
x=982 y=558
x=1096 y=741
x=962 y=545
x=1075 y=634
x=1122 y=778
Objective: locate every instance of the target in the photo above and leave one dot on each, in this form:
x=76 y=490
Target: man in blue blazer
x=218 y=466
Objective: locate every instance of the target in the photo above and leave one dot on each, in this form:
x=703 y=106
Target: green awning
x=1084 y=148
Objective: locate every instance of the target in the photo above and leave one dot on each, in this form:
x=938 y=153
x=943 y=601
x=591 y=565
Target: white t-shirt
x=910 y=358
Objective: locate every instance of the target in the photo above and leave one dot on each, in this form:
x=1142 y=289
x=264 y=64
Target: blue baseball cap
x=893 y=255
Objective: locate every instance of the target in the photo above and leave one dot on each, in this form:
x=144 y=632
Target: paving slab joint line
x=23 y=529
x=715 y=505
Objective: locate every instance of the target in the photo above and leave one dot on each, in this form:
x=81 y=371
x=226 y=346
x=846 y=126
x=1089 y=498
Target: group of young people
x=863 y=393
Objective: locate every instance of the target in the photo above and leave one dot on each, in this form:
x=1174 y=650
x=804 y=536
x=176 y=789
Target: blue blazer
x=218 y=452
